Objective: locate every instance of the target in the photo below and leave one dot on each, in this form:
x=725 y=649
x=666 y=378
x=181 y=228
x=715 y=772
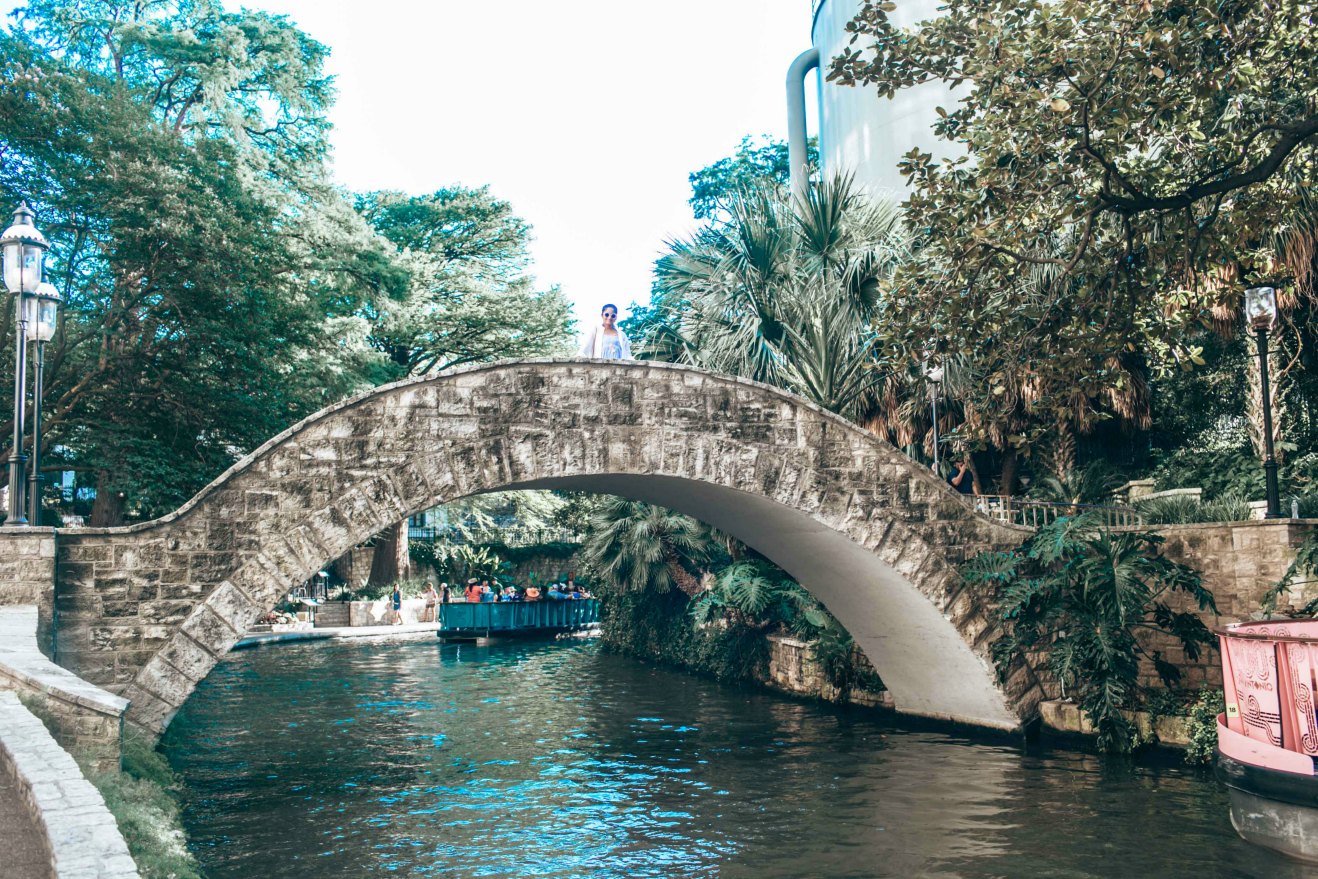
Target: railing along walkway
x=1030 y=513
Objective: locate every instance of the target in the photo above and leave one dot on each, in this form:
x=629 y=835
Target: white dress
x=600 y=347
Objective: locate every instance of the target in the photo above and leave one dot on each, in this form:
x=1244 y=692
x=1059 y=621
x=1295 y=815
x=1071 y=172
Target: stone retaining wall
x=84 y=717
x=82 y=837
x=27 y=565
x=793 y=669
x=376 y=613
x=1239 y=561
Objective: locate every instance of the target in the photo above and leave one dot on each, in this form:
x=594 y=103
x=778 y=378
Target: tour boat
x=468 y=620
x=1267 y=740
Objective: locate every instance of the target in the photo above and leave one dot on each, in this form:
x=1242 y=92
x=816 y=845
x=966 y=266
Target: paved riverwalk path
x=24 y=855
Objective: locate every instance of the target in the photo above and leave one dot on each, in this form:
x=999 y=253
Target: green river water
x=545 y=760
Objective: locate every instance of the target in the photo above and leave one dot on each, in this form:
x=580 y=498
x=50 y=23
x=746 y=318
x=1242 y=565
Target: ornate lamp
x=23 y=250
x=43 y=317
x=1261 y=315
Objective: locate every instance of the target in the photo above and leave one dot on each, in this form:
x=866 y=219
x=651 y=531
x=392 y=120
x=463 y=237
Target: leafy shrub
x=756 y=593
x=757 y=596
x=456 y=562
x=557 y=549
x=1079 y=592
x=1184 y=510
x=1201 y=724
x=655 y=625
x=144 y=799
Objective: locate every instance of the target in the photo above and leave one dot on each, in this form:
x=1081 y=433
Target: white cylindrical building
x=861 y=131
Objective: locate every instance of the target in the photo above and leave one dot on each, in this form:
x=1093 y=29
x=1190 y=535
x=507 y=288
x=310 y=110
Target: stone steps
x=332 y=615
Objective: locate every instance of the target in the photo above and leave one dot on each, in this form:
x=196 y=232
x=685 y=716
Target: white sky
x=586 y=115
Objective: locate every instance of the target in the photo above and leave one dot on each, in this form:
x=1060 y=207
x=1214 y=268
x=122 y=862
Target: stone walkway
x=24 y=855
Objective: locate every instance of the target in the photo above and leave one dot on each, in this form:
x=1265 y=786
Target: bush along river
x=561 y=760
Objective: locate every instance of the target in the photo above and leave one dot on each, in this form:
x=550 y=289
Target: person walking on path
x=445 y=593
x=606 y=341
x=397 y=599
x=432 y=599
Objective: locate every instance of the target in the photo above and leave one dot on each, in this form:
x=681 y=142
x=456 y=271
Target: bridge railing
x=1030 y=513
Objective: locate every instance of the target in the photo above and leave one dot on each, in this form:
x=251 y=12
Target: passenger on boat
x=473 y=592
x=445 y=593
x=487 y=594
x=556 y=593
x=532 y=593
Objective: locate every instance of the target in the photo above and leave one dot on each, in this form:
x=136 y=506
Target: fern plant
x=1081 y=593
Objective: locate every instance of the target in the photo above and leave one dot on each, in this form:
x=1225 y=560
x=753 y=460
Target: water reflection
x=555 y=760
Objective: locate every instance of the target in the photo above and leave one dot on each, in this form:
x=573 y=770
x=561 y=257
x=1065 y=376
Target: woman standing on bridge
x=606 y=341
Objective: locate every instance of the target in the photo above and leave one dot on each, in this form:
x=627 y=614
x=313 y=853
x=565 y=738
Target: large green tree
x=174 y=154
x=217 y=286
x=757 y=162
x=470 y=297
x=1120 y=171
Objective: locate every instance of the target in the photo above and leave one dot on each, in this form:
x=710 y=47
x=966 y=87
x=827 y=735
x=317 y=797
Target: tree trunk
x=1011 y=464
x=108 y=508
x=390 y=563
x=1254 y=400
x=684 y=579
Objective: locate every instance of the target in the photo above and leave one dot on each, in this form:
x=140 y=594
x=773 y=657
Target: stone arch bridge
x=147 y=610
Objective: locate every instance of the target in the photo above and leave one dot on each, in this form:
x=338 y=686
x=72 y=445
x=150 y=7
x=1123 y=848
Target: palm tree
x=637 y=546
x=785 y=292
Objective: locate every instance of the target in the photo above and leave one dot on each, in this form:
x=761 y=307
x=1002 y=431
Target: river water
x=559 y=760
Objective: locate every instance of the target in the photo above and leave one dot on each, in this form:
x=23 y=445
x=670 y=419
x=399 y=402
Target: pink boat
x=1268 y=737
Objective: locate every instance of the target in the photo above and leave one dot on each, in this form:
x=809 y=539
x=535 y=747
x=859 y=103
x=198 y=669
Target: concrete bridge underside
x=147 y=610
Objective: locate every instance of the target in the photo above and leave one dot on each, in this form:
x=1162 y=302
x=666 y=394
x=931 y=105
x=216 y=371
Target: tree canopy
x=1118 y=173
x=470 y=298
x=757 y=161
x=218 y=287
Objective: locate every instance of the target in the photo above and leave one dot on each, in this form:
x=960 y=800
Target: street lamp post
x=1261 y=313
x=43 y=312
x=934 y=374
x=23 y=249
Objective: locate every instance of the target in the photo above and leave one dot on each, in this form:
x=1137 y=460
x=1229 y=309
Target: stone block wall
x=27 y=565
x=83 y=717
x=1239 y=562
x=793 y=669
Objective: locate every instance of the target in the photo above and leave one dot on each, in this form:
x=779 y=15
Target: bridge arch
x=147 y=610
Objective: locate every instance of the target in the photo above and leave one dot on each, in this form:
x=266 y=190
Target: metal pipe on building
x=798 y=155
